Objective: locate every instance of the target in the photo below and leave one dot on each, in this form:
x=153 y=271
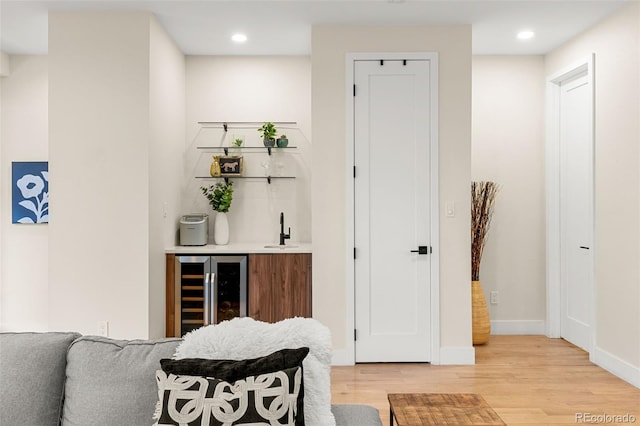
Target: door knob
x=422 y=250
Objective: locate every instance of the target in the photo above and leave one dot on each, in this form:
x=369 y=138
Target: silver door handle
x=207 y=297
x=213 y=299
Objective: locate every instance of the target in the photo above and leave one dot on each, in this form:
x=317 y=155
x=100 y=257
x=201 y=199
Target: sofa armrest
x=32 y=376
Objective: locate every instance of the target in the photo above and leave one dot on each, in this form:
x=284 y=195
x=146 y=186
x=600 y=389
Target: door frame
x=552 y=147
x=349 y=355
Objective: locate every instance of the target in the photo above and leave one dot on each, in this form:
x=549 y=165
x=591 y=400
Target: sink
x=277 y=246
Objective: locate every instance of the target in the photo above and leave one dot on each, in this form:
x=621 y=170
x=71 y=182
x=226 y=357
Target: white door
x=576 y=210
x=392 y=205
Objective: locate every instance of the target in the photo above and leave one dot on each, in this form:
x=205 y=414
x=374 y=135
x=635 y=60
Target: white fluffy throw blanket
x=245 y=338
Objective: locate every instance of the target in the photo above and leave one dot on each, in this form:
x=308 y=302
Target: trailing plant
x=483 y=197
x=268 y=130
x=238 y=142
x=219 y=195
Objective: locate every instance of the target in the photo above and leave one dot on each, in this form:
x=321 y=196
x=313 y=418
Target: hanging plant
x=483 y=197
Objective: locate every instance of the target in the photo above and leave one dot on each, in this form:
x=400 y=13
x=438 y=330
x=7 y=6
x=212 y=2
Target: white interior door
x=576 y=210
x=392 y=207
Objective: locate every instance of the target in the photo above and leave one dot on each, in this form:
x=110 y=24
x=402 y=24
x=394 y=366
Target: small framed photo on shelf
x=230 y=165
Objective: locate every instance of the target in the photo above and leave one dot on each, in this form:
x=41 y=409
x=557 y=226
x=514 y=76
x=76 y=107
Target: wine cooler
x=209 y=289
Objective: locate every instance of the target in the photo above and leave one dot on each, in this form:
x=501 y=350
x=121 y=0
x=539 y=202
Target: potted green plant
x=220 y=196
x=236 y=144
x=282 y=141
x=269 y=132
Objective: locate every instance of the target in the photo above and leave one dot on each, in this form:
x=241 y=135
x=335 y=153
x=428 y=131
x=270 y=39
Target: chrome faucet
x=283 y=236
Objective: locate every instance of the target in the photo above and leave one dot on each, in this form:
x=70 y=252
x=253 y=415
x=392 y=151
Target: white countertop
x=238 y=248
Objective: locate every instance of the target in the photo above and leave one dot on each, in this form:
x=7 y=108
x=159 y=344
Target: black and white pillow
x=266 y=399
x=234 y=370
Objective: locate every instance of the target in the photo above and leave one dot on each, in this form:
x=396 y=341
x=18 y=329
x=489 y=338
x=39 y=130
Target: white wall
x=5 y=66
x=259 y=88
x=100 y=142
x=330 y=44
x=24 y=253
x=508 y=148
x=167 y=131
x=616 y=44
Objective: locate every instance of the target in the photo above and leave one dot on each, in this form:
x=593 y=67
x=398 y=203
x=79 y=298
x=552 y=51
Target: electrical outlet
x=493 y=297
x=103 y=328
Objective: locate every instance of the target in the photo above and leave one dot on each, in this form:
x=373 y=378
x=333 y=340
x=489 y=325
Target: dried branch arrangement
x=483 y=197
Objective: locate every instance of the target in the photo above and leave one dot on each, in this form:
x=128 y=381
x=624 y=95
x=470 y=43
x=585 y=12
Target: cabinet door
x=279 y=286
x=291 y=289
x=260 y=278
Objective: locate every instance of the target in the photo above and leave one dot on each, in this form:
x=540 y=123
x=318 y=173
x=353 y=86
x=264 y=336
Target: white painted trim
x=464 y=355
x=342 y=357
x=350 y=213
x=552 y=161
x=436 y=351
x=616 y=366
x=529 y=327
x=436 y=355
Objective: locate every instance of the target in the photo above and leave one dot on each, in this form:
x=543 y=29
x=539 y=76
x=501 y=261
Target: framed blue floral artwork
x=30 y=191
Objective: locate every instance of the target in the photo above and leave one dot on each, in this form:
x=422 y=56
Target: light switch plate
x=450 y=210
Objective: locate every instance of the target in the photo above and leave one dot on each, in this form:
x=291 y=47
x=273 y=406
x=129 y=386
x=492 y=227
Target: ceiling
x=204 y=27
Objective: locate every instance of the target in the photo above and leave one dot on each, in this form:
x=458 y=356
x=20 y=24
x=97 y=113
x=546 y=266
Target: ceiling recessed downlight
x=239 y=38
x=525 y=35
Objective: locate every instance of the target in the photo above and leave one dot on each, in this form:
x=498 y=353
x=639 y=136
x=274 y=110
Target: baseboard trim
x=342 y=357
x=616 y=366
x=518 y=327
x=450 y=355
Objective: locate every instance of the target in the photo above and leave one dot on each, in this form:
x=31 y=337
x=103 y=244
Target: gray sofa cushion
x=113 y=382
x=32 y=367
x=360 y=415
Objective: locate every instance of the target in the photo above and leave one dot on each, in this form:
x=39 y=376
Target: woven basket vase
x=481 y=325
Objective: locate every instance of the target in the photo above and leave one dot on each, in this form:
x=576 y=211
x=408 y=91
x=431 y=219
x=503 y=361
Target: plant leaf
x=29 y=206
x=25 y=220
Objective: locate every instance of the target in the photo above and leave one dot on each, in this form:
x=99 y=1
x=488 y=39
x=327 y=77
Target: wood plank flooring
x=527 y=380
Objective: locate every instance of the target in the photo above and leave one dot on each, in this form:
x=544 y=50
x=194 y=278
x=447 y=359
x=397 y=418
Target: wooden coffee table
x=442 y=409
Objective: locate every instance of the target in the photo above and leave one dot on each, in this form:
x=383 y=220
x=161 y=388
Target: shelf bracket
x=226 y=150
x=226 y=180
x=269 y=150
x=225 y=126
x=269 y=180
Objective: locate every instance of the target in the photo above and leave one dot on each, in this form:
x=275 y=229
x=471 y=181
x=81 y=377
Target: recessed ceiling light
x=239 y=38
x=525 y=35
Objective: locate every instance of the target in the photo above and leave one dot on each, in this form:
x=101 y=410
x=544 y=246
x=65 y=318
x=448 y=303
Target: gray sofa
x=73 y=380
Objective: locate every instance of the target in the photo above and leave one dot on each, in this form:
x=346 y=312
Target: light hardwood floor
x=527 y=380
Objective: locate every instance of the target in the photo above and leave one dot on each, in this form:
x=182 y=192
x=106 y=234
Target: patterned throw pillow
x=232 y=370
x=266 y=399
